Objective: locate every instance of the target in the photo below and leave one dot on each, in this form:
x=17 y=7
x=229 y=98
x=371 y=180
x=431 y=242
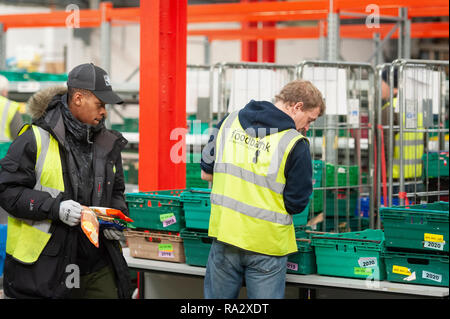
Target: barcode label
x=292 y=266
x=431 y=276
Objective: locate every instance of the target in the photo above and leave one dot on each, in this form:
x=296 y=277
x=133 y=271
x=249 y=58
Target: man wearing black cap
x=65 y=159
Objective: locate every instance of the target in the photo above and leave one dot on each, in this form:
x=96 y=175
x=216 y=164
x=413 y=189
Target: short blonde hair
x=4 y=83
x=302 y=91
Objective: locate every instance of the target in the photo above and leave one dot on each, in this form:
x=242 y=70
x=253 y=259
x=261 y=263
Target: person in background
x=10 y=119
x=261 y=172
x=10 y=124
x=413 y=142
x=65 y=159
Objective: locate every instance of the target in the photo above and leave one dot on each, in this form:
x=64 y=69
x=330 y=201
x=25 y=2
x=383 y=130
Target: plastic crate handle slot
x=152 y=239
x=418 y=261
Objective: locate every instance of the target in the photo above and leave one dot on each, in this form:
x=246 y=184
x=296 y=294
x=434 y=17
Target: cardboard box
x=156 y=245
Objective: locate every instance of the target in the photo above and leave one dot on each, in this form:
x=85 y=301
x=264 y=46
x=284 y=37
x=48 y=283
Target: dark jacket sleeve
x=118 y=197
x=208 y=152
x=298 y=173
x=17 y=180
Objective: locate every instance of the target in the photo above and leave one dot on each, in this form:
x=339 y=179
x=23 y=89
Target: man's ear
x=76 y=98
x=298 y=106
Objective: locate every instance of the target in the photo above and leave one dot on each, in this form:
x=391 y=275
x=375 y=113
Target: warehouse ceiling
x=93 y=3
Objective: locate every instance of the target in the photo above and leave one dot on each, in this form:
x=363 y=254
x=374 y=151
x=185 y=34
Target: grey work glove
x=70 y=212
x=112 y=233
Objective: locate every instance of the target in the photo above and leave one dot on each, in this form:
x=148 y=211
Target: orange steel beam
x=235 y=12
x=418 y=30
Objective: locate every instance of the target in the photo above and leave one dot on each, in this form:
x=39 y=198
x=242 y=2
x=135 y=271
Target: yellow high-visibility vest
x=247 y=206
x=26 y=239
x=8 y=109
x=413 y=148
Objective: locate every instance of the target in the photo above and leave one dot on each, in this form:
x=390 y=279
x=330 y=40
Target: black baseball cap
x=93 y=78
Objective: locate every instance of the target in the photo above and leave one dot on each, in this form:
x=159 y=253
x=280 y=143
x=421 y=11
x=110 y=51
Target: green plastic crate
x=197 y=207
x=435 y=164
x=15 y=76
x=342 y=198
x=158 y=210
x=413 y=268
x=421 y=227
x=341 y=171
x=304 y=261
x=4 y=147
x=353 y=223
x=353 y=254
x=317 y=204
x=196 y=247
x=302 y=218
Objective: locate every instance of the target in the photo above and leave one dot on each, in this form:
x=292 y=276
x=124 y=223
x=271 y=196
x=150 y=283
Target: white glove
x=112 y=233
x=70 y=212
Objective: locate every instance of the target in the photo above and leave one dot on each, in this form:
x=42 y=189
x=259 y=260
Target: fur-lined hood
x=37 y=104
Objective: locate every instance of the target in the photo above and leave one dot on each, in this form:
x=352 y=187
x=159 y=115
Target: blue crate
x=2 y=247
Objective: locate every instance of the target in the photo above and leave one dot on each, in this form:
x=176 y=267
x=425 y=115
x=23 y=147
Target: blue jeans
x=228 y=266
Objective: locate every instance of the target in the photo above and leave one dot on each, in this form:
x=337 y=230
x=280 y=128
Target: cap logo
x=107 y=82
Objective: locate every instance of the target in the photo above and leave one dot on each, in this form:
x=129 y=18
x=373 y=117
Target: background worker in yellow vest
x=10 y=124
x=260 y=166
x=10 y=118
x=413 y=143
x=65 y=159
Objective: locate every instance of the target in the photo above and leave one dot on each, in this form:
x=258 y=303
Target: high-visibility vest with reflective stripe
x=8 y=109
x=247 y=206
x=26 y=239
x=412 y=150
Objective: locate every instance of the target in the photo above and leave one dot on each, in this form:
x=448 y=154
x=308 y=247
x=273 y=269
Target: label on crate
x=292 y=266
x=433 y=238
x=165 y=250
x=361 y=271
x=431 y=276
x=401 y=270
x=167 y=219
x=434 y=245
x=367 y=262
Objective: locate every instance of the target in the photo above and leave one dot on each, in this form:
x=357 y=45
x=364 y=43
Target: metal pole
x=331 y=155
x=105 y=49
x=2 y=47
x=333 y=37
x=406 y=35
x=207 y=51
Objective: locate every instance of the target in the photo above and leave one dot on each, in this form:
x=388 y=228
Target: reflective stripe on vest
x=247 y=206
x=26 y=239
x=8 y=109
x=413 y=148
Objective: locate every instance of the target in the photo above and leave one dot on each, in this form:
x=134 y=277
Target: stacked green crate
x=197 y=245
x=337 y=175
x=19 y=76
x=304 y=261
x=422 y=227
x=158 y=210
x=341 y=201
x=417 y=243
x=352 y=254
x=193 y=172
x=197 y=210
x=317 y=204
x=158 y=218
x=435 y=164
x=4 y=147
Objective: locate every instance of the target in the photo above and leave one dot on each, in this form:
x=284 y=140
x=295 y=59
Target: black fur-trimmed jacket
x=46 y=278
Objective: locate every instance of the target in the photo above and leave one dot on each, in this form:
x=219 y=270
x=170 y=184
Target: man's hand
x=112 y=233
x=70 y=212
